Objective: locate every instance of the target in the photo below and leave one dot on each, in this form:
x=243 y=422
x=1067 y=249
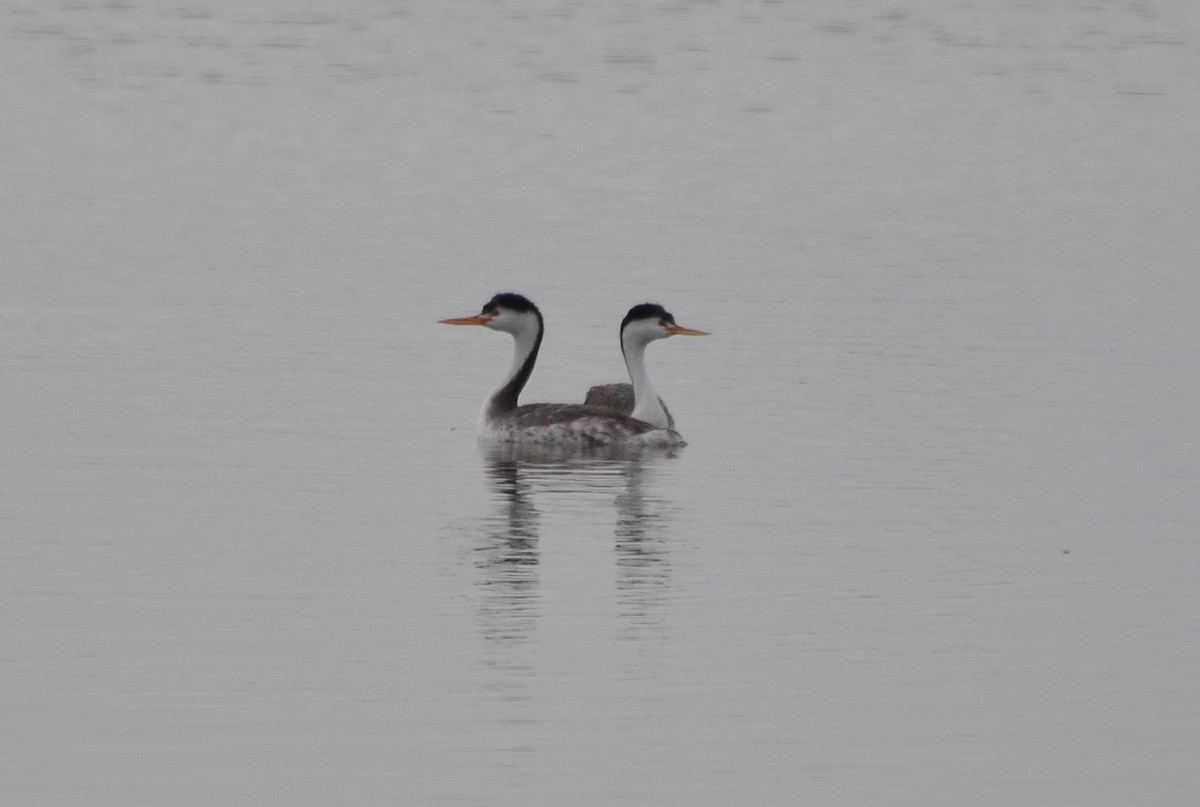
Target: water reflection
x=642 y=569
x=508 y=556
x=527 y=479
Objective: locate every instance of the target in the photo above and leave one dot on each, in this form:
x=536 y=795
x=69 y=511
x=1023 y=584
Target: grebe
x=643 y=324
x=503 y=420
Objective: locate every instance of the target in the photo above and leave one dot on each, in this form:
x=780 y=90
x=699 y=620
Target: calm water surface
x=934 y=536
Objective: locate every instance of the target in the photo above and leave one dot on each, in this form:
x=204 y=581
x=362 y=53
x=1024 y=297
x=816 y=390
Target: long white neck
x=646 y=406
x=527 y=340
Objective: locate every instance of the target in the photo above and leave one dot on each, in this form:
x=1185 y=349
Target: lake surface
x=934 y=536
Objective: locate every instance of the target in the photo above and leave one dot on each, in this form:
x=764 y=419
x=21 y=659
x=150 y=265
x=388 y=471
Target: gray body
x=619 y=397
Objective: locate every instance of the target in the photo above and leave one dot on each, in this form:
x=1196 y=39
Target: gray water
x=933 y=540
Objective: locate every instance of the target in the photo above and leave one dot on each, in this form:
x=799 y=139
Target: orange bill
x=679 y=330
x=478 y=319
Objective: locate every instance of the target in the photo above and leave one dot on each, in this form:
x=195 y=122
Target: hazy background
x=935 y=534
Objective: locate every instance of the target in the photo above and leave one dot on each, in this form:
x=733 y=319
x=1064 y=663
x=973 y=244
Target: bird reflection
x=509 y=553
x=642 y=570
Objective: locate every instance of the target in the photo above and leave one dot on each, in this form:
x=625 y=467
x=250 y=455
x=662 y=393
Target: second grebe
x=642 y=325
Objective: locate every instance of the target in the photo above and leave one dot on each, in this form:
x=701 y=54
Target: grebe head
x=648 y=322
x=506 y=312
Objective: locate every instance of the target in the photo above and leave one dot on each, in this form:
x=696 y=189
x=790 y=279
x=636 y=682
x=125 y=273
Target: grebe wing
x=611 y=396
x=540 y=415
x=576 y=424
x=619 y=397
